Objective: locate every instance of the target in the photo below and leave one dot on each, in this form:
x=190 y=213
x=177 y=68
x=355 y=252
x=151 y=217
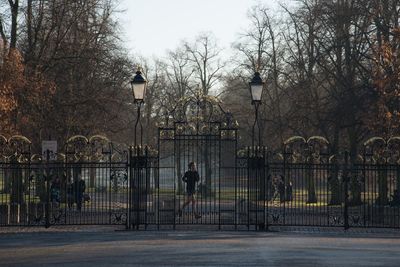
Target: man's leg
x=194 y=208
x=189 y=199
x=79 y=202
x=69 y=202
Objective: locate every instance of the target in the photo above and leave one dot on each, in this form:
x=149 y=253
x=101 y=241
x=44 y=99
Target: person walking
x=191 y=177
x=79 y=189
x=55 y=191
x=281 y=188
x=289 y=191
x=70 y=195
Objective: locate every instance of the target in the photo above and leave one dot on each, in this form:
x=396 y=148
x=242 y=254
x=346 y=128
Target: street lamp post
x=256 y=160
x=139 y=86
x=256 y=89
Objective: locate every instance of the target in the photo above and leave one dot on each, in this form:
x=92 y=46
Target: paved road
x=107 y=247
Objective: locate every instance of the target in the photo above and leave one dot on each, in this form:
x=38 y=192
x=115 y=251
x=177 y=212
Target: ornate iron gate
x=196 y=130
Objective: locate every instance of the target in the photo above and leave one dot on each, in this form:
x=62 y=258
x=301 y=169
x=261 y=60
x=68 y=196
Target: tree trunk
x=334 y=183
x=14 y=23
x=207 y=168
x=311 y=193
x=92 y=176
x=28 y=55
x=17 y=186
x=355 y=183
x=179 y=172
x=396 y=194
x=382 y=198
x=40 y=182
x=7 y=181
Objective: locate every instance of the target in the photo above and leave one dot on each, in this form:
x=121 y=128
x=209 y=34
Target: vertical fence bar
x=147 y=181
x=130 y=184
x=219 y=177
x=248 y=189
x=47 y=209
x=346 y=191
x=236 y=197
x=265 y=170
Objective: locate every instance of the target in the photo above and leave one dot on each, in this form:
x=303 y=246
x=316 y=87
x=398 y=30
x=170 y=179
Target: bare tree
x=179 y=72
x=204 y=55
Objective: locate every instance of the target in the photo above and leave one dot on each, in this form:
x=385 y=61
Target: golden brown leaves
x=386 y=79
x=19 y=88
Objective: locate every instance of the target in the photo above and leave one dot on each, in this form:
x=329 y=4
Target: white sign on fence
x=51 y=146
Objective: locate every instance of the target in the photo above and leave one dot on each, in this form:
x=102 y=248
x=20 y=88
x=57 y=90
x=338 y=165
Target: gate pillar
x=257 y=166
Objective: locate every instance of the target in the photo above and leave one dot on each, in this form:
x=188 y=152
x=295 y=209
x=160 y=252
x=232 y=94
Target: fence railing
x=252 y=189
x=253 y=193
x=60 y=193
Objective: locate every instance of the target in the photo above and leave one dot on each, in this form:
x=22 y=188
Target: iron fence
x=46 y=194
x=247 y=192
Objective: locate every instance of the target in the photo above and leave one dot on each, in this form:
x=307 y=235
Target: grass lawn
x=5 y=199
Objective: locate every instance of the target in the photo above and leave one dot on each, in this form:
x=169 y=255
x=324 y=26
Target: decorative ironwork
x=384 y=158
x=97 y=148
x=336 y=218
x=58 y=217
x=275 y=215
x=198 y=115
x=377 y=150
x=356 y=219
x=36 y=219
x=302 y=184
x=119 y=179
x=17 y=146
x=314 y=149
x=119 y=217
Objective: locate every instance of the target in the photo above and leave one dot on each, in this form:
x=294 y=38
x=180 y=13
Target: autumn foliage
x=21 y=92
x=386 y=79
x=12 y=81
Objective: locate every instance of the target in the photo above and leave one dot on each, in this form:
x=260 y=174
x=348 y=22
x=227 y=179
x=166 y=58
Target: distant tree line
x=331 y=68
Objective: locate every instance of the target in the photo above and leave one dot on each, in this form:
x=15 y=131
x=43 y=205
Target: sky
x=151 y=27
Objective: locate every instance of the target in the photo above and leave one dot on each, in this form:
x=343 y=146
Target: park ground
x=104 y=246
